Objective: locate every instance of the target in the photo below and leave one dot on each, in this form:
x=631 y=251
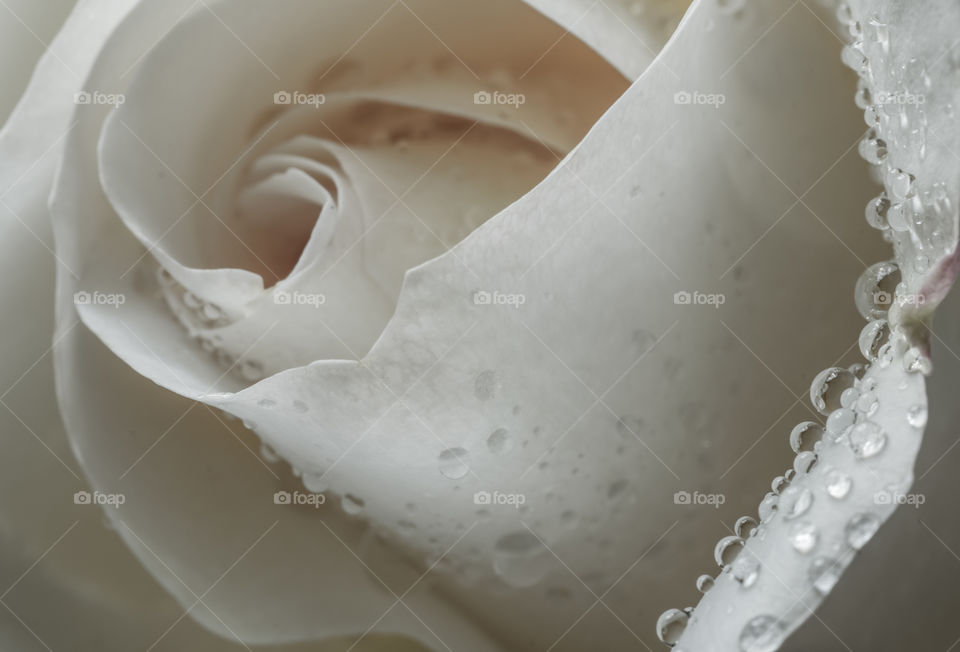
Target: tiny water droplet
x=745 y=569
x=745 y=526
x=872 y=337
x=867 y=439
x=839 y=421
x=727 y=550
x=824 y=573
x=827 y=386
x=915 y=361
x=876 y=211
x=453 y=462
x=768 y=506
x=520 y=559
x=704 y=583
x=351 y=504
x=861 y=528
x=670 y=626
x=486 y=385
x=917 y=416
x=838 y=484
x=499 y=441
x=795 y=501
x=268 y=454
x=314 y=481
x=804 y=536
x=761 y=634
x=804 y=435
x=804 y=461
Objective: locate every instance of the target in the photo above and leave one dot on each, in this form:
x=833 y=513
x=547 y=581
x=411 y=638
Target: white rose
x=520 y=326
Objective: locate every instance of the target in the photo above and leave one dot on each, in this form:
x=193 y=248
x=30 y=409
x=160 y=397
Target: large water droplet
x=795 y=501
x=827 y=386
x=761 y=634
x=670 y=626
x=824 y=573
x=873 y=149
x=867 y=439
x=804 y=536
x=454 y=462
x=804 y=435
x=914 y=360
x=727 y=550
x=861 y=528
x=875 y=288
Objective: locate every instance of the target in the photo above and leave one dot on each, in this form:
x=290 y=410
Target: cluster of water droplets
x=846 y=397
x=201 y=319
x=896 y=109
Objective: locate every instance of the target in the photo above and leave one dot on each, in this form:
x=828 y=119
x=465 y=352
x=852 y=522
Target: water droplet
x=876 y=211
x=486 y=385
x=849 y=397
x=744 y=526
x=804 y=536
x=901 y=185
x=839 y=421
x=795 y=501
x=875 y=288
x=838 y=484
x=826 y=388
x=761 y=634
x=727 y=550
x=499 y=442
x=520 y=559
x=861 y=528
x=863 y=97
x=778 y=484
x=867 y=439
x=824 y=573
x=915 y=361
x=873 y=149
x=745 y=569
x=670 y=626
x=351 y=504
x=897 y=217
x=872 y=337
x=768 y=506
x=314 y=481
x=453 y=462
x=804 y=435
x=917 y=416
x=804 y=461
x=268 y=454
x=704 y=583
